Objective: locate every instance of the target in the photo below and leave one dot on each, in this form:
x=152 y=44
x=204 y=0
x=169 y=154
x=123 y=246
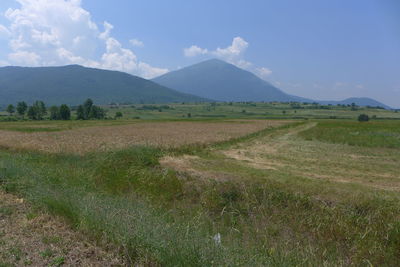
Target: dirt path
x=29 y=238
x=283 y=153
x=252 y=152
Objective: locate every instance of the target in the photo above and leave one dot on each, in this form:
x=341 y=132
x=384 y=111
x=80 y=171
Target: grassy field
x=215 y=111
x=247 y=110
x=304 y=192
x=373 y=134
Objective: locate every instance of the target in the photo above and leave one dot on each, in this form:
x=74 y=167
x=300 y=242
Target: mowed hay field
x=159 y=134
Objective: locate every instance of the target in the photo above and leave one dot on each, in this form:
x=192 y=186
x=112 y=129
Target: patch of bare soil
x=185 y=165
x=28 y=238
x=162 y=134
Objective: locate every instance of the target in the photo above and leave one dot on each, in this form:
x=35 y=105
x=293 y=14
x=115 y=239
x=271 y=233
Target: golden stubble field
x=160 y=134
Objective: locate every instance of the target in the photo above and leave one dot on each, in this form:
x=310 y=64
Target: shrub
x=118 y=114
x=363 y=117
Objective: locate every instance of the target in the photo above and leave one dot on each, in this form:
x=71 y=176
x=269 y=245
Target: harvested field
x=160 y=134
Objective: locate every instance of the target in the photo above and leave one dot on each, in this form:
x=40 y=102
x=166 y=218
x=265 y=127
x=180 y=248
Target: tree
x=10 y=109
x=96 y=113
x=118 y=114
x=65 y=112
x=31 y=113
x=39 y=110
x=21 y=108
x=89 y=111
x=87 y=106
x=80 y=113
x=363 y=117
x=54 y=113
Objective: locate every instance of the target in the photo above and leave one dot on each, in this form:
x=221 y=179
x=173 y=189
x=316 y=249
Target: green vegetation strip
x=368 y=134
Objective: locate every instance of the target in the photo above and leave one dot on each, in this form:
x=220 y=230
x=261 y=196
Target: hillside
x=216 y=79
x=73 y=84
x=360 y=101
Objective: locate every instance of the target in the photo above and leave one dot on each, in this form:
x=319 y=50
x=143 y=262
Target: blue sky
x=317 y=49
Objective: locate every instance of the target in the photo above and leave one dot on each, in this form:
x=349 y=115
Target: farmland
x=158 y=134
x=220 y=187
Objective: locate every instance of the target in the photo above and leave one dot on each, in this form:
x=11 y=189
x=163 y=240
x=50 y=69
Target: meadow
x=253 y=188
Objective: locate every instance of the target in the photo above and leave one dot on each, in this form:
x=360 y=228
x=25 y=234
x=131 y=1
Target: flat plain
x=234 y=190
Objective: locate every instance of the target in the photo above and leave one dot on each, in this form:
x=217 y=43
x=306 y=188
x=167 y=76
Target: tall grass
x=155 y=217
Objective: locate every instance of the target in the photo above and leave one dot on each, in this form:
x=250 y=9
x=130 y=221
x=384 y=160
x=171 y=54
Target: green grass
x=265 y=217
x=54 y=126
x=201 y=112
x=368 y=134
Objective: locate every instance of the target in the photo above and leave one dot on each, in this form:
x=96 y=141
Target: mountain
x=73 y=84
x=359 y=101
x=216 y=79
x=219 y=80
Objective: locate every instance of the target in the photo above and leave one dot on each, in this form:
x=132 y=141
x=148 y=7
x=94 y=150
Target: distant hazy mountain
x=359 y=101
x=216 y=79
x=73 y=84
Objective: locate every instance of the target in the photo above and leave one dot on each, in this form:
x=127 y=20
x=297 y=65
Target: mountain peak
x=222 y=81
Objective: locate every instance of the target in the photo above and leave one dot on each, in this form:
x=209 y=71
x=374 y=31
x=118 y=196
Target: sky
x=319 y=49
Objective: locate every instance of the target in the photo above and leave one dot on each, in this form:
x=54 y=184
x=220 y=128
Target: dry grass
x=160 y=134
x=287 y=153
x=29 y=238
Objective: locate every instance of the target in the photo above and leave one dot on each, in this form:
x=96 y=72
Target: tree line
x=38 y=111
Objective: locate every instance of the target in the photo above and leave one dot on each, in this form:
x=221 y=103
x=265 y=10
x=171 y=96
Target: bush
x=363 y=117
x=118 y=114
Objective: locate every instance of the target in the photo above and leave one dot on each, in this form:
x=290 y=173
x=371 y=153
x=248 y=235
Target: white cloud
x=194 y=51
x=136 y=42
x=263 y=72
x=4 y=63
x=4 y=32
x=59 y=32
x=233 y=54
x=107 y=30
x=24 y=58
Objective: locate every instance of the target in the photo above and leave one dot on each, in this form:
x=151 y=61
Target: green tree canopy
x=65 y=112
x=31 y=113
x=118 y=114
x=21 y=108
x=54 y=113
x=80 y=113
x=10 y=109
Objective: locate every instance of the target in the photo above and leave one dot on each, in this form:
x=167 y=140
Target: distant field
x=106 y=136
x=369 y=134
x=250 y=110
x=247 y=110
x=55 y=126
